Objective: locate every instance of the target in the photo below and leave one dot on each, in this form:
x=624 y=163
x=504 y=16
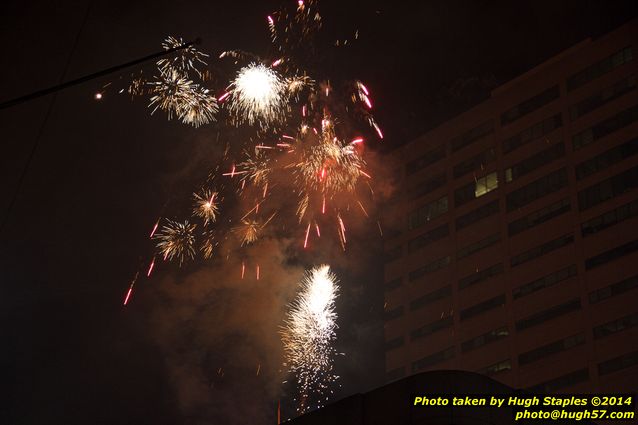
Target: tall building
x=515 y=250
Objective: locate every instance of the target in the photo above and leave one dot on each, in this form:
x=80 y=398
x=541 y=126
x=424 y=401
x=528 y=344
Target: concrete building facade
x=514 y=250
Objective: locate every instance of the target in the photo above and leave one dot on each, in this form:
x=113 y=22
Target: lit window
x=486 y=184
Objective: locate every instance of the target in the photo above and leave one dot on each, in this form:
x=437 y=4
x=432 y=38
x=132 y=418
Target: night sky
x=104 y=171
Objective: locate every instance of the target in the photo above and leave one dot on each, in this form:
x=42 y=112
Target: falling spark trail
x=155 y=227
x=257 y=271
x=150 y=268
x=243 y=269
x=305 y=243
x=128 y=294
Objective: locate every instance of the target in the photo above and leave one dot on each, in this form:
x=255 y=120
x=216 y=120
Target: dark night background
x=103 y=170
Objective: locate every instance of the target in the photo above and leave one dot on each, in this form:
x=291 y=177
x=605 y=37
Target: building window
x=394 y=313
x=394 y=343
x=535 y=162
x=537 y=189
x=431 y=328
x=425 y=160
x=611 y=255
x=548 y=314
x=481 y=276
x=610 y=93
x=607 y=159
x=444 y=292
x=541 y=250
x=532 y=133
x=395 y=374
x=613 y=290
x=433 y=359
x=564 y=381
x=530 y=105
x=496 y=367
x=486 y=338
x=428 y=186
x=427 y=212
x=608 y=189
x=427 y=238
x=429 y=268
x=618 y=363
x=477 y=162
x=599 y=68
x=609 y=219
x=539 y=217
x=615 y=326
x=545 y=282
x=478 y=246
x=393 y=284
x=606 y=127
x=473 y=135
x=476 y=189
x=483 y=307
x=477 y=214
x=551 y=349
x=393 y=254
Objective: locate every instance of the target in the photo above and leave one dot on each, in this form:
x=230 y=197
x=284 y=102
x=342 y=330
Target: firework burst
x=206 y=205
x=308 y=334
x=176 y=240
x=184 y=61
x=258 y=96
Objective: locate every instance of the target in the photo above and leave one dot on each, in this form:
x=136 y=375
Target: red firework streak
x=130 y=289
x=150 y=268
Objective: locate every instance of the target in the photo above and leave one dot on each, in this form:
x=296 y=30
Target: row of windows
x=532 y=133
x=433 y=327
x=501 y=366
x=612 y=254
x=393 y=284
x=478 y=214
x=472 y=135
x=613 y=290
x=599 y=68
x=536 y=189
x=591 y=103
x=608 y=189
x=530 y=105
x=429 y=268
x=476 y=189
x=541 y=250
x=548 y=314
x=563 y=381
x=615 y=326
x=433 y=359
x=394 y=343
x=483 y=307
x=610 y=218
x=486 y=338
x=551 y=349
x=392 y=254
x=605 y=127
x=607 y=159
x=539 y=217
x=425 y=160
x=535 y=162
x=474 y=163
x=481 y=276
x=427 y=212
x=428 y=238
x=618 y=363
x=478 y=246
x=545 y=281
x=444 y=292
x=394 y=313
x=427 y=186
